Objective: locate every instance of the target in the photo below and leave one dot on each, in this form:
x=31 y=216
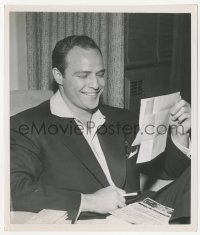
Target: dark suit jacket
x=52 y=163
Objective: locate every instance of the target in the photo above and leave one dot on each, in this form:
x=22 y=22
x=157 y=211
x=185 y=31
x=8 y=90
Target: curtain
x=43 y=30
x=180 y=79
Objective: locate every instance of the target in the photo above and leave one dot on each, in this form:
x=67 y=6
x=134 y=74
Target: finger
x=120 y=191
x=121 y=198
x=178 y=106
x=121 y=204
x=180 y=112
x=111 y=187
x=183 y=117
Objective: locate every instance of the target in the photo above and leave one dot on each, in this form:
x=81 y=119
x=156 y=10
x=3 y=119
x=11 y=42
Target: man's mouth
x=94 y=93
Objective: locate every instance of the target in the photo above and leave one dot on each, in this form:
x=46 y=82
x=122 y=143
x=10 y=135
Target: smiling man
x=82 y=83
x=88 y=169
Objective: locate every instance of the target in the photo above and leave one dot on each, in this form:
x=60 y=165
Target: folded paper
x=154 y=125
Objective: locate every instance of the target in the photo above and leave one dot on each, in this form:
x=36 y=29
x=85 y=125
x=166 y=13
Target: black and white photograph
x=101 y=106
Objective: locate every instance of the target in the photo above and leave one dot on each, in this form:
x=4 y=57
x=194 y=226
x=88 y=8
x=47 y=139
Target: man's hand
x=104 y=200
x=180 y=122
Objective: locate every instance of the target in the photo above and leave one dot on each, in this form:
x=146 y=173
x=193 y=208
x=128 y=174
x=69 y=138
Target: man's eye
x=100 y=74
x=82 y=75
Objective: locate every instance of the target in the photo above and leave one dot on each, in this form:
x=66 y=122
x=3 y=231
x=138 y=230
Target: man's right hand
x=103 y=201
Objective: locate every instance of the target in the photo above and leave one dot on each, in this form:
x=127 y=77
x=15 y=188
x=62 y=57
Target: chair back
x=21 y=100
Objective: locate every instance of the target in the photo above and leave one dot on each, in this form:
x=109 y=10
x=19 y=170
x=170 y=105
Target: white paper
x=154 y=125
x=147 y=211
x=48 y=217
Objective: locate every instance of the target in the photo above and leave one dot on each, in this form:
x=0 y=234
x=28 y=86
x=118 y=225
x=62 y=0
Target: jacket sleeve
x=168 y=165
x=175 y=160
x=28 y=193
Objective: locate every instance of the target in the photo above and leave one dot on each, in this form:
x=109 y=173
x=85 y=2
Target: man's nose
x=93 y=83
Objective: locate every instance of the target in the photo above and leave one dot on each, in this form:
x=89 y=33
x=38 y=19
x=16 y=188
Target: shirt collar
x=59 y=108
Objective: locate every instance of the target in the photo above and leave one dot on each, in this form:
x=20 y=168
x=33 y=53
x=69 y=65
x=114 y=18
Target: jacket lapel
x=112 y=145
x=73 y=139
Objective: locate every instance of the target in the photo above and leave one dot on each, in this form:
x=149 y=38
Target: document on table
x=147 y=211
x=48 y=217
x=154 y=125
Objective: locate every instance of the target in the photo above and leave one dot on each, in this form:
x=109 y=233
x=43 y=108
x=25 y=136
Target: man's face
x=83 y=80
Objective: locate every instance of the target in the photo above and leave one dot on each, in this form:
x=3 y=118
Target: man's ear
x=57 y=76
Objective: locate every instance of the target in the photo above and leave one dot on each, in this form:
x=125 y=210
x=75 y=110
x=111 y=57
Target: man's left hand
x=180 y=122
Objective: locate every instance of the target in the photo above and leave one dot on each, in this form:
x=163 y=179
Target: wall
x=155 y=83
x=18 y=56
x=157 y=59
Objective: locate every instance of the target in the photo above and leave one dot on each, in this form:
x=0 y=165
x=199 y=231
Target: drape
x=44 y=29
x=180 y=79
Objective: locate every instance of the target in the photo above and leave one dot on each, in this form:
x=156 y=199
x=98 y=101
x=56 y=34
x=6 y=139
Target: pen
x=130 y=194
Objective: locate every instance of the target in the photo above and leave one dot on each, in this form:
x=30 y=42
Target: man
x=69 y=153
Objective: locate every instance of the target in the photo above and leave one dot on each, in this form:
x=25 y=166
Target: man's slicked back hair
x=63 y=47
